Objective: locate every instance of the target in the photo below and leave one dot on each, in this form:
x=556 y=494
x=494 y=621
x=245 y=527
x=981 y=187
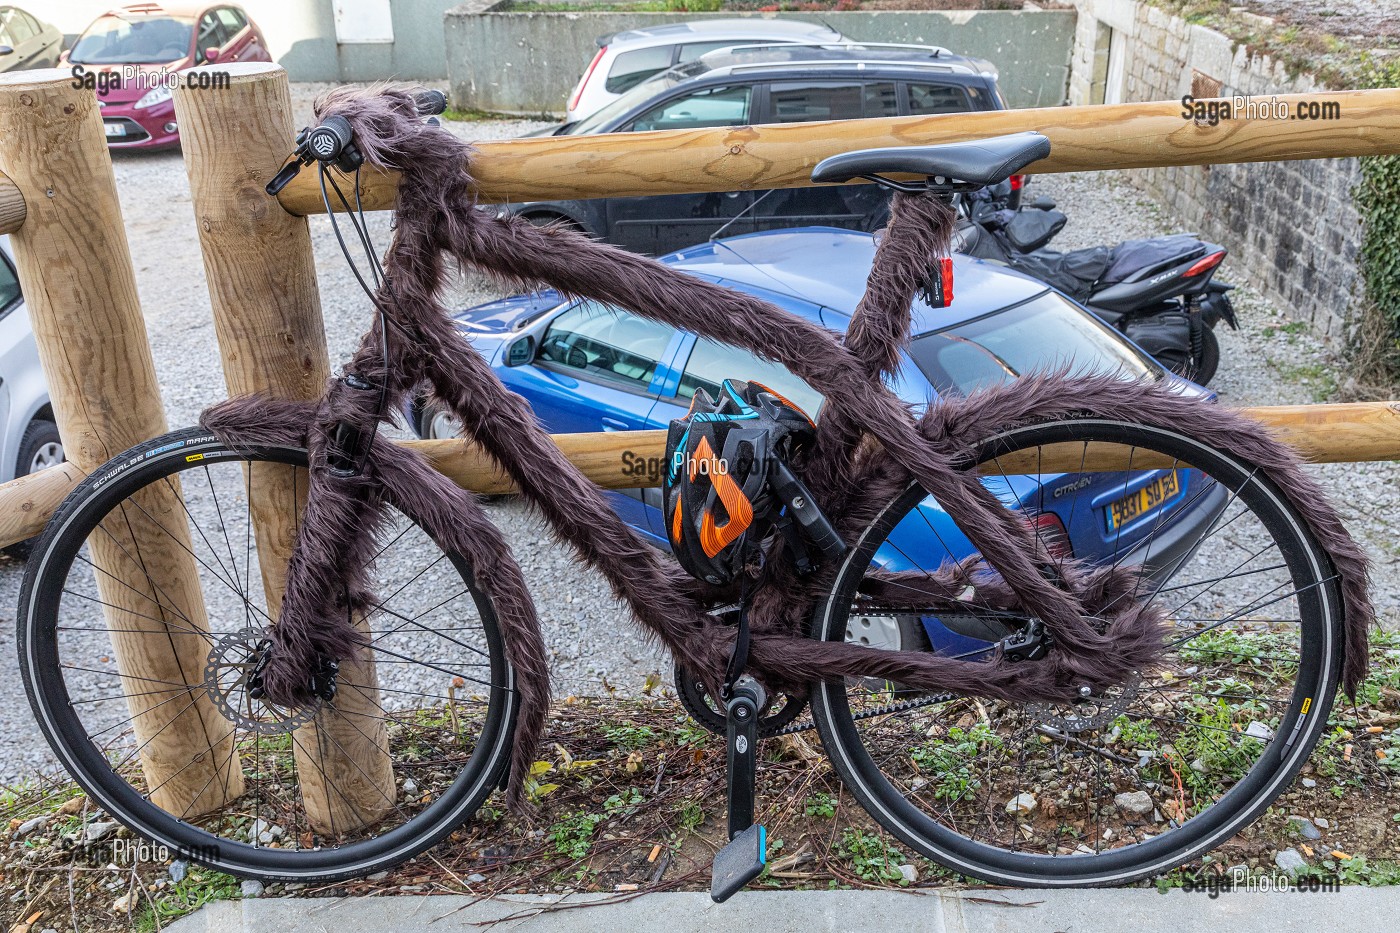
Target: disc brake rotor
x=1093 y=712
x=230 y=661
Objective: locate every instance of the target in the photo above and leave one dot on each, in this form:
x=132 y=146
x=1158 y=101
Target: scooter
x=1160 y=292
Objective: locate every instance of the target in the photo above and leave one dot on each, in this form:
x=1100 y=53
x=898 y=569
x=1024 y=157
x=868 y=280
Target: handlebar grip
x=327 y=141
x=430 y=103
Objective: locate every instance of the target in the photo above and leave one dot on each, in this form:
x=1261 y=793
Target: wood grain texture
x=12 y=209
x=80 y=291
x=782 y=156
x=1338 y=433
x=272 y=340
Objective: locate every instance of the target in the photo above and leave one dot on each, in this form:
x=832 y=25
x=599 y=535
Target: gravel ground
x=590 y=634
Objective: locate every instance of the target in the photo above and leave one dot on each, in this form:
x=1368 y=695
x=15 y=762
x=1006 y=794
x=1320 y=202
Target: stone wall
x=1291 y=227
x=529 y=62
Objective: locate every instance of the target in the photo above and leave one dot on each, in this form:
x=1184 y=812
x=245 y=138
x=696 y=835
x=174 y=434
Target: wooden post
x=81 y=293
x=733 y=158
x=267 y=313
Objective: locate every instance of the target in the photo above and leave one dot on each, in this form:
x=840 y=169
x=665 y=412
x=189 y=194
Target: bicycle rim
x=1148 y=775
x=406 y=751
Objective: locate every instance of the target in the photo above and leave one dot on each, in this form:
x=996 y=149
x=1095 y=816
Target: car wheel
x=39 y=448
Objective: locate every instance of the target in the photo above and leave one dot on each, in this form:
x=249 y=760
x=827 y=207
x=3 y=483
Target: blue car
x=587 y=367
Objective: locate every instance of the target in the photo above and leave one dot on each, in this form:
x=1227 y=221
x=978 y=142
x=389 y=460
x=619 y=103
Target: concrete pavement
x=1363 y=910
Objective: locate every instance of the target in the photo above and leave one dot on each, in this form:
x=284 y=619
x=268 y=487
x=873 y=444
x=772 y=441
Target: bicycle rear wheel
x=438 y=703
x=1153 y=772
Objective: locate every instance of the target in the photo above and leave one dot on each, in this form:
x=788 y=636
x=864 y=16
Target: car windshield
x=594 y=122
x=147 y=40
x=1045 y=333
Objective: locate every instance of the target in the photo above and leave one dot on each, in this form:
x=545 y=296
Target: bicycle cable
x=361 y=226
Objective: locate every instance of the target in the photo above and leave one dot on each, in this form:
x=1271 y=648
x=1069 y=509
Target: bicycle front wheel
x=143 y=609
x=1149 y=774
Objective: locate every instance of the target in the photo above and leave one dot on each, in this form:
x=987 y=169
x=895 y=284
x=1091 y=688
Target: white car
x=29 y=439
x=626 y=59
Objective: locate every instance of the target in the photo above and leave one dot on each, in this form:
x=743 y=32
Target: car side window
x=211 y=33
x=938 y=98
x=803 y=101
x=881 y=100
x=10 y=294
x=18 y=29
x=598 y=340
x=693 y=50
x=712 y=106
x=232 y=19
x=711 y=363
x=630 y=69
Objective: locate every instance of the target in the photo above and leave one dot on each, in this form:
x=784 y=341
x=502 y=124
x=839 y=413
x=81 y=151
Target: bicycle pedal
x=738 y=863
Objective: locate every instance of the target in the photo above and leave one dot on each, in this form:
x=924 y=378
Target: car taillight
x=1018 y=182
x=578 y=91
x=1051 y=534
x=1205 y=265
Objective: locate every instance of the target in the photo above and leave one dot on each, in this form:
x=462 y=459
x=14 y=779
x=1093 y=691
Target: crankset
x=777 y=714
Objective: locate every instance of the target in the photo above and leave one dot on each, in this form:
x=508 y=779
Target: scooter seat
x=978 y=162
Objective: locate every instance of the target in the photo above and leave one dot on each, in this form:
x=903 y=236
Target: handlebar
x=332 y=141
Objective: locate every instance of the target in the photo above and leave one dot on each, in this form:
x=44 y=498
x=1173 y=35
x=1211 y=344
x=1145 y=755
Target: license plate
x=115 y=129
x=1153 y=495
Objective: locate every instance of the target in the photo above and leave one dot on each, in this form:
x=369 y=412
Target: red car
x=131 y=57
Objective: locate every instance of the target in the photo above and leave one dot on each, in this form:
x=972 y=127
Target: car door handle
x=613 y=424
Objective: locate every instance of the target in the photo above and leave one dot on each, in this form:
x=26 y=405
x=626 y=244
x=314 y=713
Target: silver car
x=28 y=436
x=626 y=59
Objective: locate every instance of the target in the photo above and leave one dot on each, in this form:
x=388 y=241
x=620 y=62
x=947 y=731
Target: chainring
x=780 y=712
x=230 y=661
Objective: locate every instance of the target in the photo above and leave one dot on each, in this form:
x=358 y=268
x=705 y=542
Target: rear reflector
x=1018 y=182
x=578 y=91
x=1205 y=265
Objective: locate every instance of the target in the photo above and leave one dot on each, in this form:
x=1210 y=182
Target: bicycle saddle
x=978 y=162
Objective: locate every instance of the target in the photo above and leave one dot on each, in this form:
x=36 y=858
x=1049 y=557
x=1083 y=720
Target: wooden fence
x=58 y=199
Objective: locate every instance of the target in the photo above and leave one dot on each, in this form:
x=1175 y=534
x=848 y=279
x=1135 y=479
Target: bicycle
x=1006 y=706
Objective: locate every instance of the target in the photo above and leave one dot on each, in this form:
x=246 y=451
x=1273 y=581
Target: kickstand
x=741 y=861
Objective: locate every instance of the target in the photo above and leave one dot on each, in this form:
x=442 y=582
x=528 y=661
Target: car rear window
x=630 y=69
x=1044 y=333
x=939 y=98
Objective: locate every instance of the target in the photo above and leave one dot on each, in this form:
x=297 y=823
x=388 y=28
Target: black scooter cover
x=1135 y=255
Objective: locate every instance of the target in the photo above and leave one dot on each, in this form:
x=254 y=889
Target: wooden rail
x=782 y=156
x=1352 y=432
x=12 y=209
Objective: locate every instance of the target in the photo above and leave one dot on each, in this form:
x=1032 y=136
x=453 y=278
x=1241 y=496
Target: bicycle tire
x=895 y=801
x=47 y=579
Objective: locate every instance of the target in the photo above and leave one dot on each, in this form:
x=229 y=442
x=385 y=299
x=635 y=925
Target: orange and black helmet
x=718 y=500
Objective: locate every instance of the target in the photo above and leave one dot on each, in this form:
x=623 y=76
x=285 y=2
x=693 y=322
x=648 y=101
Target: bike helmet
x=719 y=502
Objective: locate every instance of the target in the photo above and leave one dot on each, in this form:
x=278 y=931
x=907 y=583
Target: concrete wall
x=1291 y=227
x=301 y=37
x=529 y=62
